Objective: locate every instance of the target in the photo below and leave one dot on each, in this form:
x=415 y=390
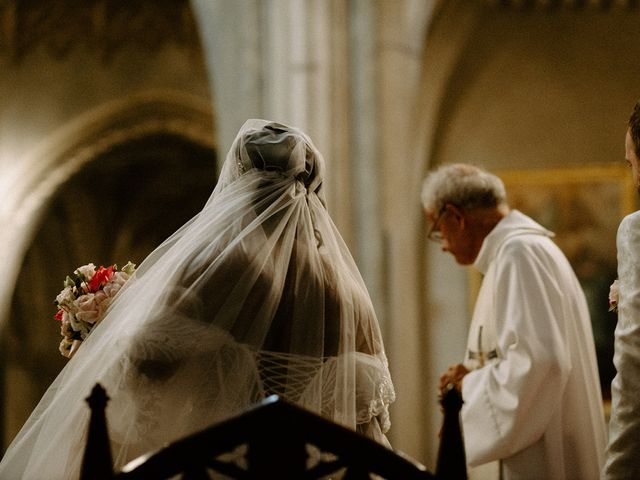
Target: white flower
x=66 y=330
x=86 y=271
x=65 y=346
x=614 y=291
x=77 y=325
x=65 y=297
x=85 y=329
x=74 y=322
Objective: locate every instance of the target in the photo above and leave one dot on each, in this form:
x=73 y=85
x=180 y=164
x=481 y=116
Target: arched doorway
x=120 y=203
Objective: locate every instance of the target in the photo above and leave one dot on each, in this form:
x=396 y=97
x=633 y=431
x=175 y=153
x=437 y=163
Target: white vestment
x=532 y=399
x=623 y=453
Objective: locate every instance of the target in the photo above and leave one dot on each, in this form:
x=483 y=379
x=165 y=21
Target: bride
x=256 y=295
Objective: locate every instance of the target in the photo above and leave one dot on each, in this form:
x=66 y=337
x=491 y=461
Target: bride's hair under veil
x=255 y=295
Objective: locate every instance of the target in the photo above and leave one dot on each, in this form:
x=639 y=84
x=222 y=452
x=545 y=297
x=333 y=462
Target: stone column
x=231 y=39
x=402 y=35
x=439 y=285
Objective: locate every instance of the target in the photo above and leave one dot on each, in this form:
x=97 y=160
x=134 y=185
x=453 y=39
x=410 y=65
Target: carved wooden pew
x=275 y=439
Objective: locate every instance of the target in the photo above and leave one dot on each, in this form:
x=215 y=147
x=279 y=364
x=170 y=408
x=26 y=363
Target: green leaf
x=129 y=268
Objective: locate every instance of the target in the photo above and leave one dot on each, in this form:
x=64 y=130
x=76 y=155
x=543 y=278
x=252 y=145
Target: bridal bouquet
x=87 y=293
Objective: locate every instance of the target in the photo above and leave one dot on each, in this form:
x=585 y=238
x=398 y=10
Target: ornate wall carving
x=105 y=26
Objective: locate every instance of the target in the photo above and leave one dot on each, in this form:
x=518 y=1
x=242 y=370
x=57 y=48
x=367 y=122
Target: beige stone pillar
x=441 y=308
x=284 y=60
x=402 y=26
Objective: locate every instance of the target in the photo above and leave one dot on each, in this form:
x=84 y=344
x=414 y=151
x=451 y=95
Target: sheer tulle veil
x=255 y=295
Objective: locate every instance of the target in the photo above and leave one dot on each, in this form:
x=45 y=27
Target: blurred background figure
x=623 y=452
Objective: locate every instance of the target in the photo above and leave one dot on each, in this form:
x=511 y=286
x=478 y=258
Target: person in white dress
x=623 y=451
x=529 y=380
x=256 y=295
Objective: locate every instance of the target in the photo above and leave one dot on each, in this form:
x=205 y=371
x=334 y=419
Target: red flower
x=100 y=278
x=58 y=316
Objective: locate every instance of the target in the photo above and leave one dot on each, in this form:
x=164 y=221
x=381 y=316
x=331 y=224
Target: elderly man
x=529 y=380
x=623 y=452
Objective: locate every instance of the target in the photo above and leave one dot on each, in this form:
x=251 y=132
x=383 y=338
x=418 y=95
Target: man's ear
x=457 y=213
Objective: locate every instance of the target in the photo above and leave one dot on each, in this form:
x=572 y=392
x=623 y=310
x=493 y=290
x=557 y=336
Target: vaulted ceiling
x=552 y=5
x=105 y=26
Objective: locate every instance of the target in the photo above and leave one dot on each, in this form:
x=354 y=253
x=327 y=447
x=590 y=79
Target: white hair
x=465 y=186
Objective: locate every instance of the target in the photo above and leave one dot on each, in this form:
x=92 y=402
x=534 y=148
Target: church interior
x=115 y=118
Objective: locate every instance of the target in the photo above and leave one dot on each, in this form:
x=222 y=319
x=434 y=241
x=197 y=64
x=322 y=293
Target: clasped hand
x=453 y=375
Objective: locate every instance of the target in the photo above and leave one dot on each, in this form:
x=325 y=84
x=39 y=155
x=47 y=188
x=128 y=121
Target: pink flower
x=117 y=282
x=614 y=292
x=87 y=308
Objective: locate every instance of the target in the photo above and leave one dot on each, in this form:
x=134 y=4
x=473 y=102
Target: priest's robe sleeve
x=623 y=455
x=509 y=403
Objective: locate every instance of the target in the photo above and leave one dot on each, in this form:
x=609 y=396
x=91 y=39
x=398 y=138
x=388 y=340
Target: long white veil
x=255 y=295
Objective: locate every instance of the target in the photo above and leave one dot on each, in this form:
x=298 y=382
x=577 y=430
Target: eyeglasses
x=434 y=233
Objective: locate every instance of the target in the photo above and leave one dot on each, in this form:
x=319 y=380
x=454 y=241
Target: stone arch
x=427 y=273
x=66 y=151
x=156 y=151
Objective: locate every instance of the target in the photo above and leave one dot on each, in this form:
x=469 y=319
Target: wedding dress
x=255 y=295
